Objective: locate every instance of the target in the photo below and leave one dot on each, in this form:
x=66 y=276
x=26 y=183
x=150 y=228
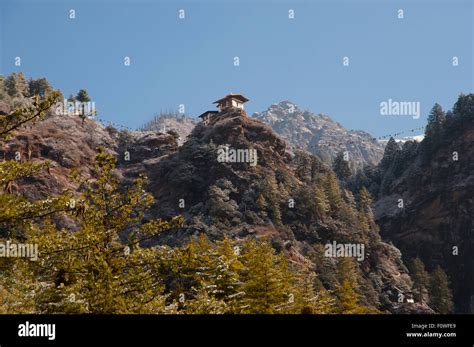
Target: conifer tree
x=421 y=279
x=103 y=274
x=39 y=87
x=16 y=85
x=436 y=119
x=308 y=299
x=349 y=299
x=441 y=297
x=390 y=153
x=83 y=96
x=322 y=203
x=333 y=192
x=270 y=189
x=341 y=167
x=266 y=278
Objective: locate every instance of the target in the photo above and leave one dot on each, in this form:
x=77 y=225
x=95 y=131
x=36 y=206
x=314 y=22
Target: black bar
x=300 y=330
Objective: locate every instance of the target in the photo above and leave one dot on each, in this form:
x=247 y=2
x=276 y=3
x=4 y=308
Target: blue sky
x=191 y=61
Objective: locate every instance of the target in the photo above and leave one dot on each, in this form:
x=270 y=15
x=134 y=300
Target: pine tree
x=436 y=119
x=349 y=299
x=39 y=87
x=16 y=85
x=83 y=96
x=16 y=210
x=266 y=278
x=308 y=299
x=441 y=297
x=366 y=217
x=219 y=204
x=390 y=153
x=261 y=205
x=333 y=192
x=270 y=189
x=341 y=167
x=223 y=280
x=421 y=279
x=322 y=203
x=104 y=274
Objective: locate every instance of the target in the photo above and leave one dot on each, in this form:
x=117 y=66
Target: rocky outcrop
x=219 y=198
x=166 y=122
x=320 y=135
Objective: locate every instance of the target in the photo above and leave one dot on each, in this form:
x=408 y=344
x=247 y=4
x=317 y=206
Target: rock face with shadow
x=436 y=185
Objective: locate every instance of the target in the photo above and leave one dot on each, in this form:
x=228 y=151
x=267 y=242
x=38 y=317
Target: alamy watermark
x=341 y=250
x=75 y=108
x=10 y=249
x=225 y=154
x=400 y=108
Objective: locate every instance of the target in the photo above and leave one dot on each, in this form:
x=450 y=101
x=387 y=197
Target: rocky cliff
x=435 y=183
x=320 y=135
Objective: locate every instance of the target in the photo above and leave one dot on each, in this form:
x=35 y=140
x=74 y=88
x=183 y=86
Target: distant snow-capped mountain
x=416 y=138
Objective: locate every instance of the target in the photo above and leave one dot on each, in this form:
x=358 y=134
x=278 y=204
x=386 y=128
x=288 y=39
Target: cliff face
x=222 y=198
x=437 y=188
x=320 y=135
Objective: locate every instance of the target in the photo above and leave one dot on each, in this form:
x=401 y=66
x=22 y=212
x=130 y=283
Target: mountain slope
x=165 y=122
x=320 y=135
x=274 y=199
x=435 y=179
x=241 y=200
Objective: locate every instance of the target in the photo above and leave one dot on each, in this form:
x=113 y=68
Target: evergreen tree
x=366 y=217
x=321 y=200
x=269 y=190
x=333 y=192
x=219 y=204
x=39 y=87
x=421 y=279
x=267 y=279
x=104 y=274
x=346 y=290
x=308 y=299
x=390 y=153
x=83 y=96
x=464 y=107
x=441 y=297
x=16 y=85
x=341 y=167
x=436 y=119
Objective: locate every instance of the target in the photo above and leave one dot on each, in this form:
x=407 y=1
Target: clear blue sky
x=190 y=61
